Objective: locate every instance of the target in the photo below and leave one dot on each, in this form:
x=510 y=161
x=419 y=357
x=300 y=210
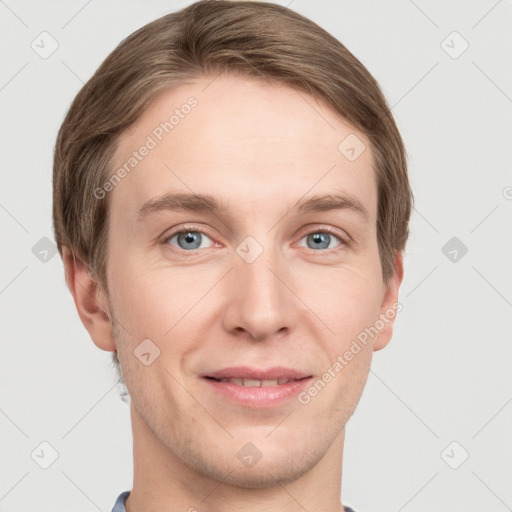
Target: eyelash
x=195 y=229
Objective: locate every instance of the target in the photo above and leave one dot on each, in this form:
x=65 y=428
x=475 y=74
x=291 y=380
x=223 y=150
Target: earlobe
x=390 y=305
x=90 y=300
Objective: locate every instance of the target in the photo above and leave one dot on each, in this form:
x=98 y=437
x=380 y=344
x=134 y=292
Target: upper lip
x=246 y=372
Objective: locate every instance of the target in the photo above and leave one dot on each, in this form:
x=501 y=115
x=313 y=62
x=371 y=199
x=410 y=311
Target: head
x=195 y=176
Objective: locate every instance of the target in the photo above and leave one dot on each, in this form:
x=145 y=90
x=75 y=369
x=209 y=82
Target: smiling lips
x=255 y=383
x=256 y=388
x=254 y=377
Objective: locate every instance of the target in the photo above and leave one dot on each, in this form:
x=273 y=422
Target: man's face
x=259 y=284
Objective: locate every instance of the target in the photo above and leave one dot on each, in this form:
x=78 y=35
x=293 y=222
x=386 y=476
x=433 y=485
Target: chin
x=280 y=467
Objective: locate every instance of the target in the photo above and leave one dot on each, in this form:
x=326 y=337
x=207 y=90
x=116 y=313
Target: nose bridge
x=259 y=302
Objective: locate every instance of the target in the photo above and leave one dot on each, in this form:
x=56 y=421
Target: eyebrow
x=208 y=203
x=322 y=203
x=187 y=202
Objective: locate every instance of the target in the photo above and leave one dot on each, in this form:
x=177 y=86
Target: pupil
x=189 y=240
x=321 y=240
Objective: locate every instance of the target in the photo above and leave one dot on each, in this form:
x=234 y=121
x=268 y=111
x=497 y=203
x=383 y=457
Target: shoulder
x=119 y=504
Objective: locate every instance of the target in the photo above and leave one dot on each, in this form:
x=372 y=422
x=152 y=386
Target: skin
x=259 y=148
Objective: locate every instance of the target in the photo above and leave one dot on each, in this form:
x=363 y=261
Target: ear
x=90 y=300
x=390 y=305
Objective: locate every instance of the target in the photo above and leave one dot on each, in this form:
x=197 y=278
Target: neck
x=162 y=481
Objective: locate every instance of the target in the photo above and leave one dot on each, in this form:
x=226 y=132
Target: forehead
x=244 y=141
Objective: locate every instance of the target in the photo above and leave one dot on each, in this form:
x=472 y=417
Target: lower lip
x=258 y=397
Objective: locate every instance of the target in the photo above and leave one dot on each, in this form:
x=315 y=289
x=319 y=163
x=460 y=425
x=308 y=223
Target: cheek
x=156 y=302
x=155 y=306
x=344 y=301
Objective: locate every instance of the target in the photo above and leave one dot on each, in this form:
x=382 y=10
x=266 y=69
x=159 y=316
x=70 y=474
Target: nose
x=259 y=299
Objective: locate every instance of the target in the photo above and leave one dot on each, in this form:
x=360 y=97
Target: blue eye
x=189 y=240
x=321 y=240
x=194 y=239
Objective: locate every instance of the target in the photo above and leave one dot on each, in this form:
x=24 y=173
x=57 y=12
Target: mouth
x=256 y=383
x=255 y=388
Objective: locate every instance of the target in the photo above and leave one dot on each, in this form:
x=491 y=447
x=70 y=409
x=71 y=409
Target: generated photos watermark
x=156 y=136
x=355 y=347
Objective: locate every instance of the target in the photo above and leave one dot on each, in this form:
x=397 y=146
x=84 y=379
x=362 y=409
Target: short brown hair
x=257 y=39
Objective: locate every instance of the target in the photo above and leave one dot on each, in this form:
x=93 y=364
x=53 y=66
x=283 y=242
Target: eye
x=321 y=240
x=189 y=240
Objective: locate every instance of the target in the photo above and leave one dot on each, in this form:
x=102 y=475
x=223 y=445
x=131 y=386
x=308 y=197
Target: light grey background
x=446 y=375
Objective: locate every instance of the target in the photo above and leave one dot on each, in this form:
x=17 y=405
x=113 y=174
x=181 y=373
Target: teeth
x=254 y=383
